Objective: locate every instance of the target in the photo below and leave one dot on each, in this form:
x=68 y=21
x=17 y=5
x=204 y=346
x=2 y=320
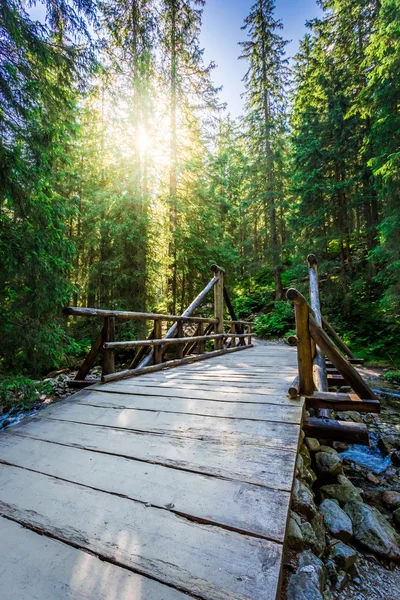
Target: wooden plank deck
x=163 y=487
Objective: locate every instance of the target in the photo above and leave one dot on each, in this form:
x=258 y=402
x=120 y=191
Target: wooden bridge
x=175 y=483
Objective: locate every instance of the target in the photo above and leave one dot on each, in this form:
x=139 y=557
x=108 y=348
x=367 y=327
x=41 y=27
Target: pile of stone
x=330 y=525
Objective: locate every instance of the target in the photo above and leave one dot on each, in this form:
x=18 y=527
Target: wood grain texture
x=206 y=561
x=179 y=482
x=260 y=465
x=37 y=567
x=235 y=505
x=234 y=431
x=210 y=408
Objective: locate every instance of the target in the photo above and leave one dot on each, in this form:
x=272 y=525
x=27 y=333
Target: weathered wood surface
x=179 y=483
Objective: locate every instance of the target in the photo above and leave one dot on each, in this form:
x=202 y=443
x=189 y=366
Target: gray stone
x=350 y=415
x=312 y=444
x=342 y=580
x=336 y=520
x=340 y=446
x=304 y=585
x=373 y=531
x=303 y=500
x=344 y=490
x=395 y=458
x=314 y=535
x=388 y=443
x=331 y=572
x=343 y=556
x=328 y=464
x=309 y=476
x=294 y=534
x=391 y=499
x=396 y=517
x=305 y=453
x=328 y=450
x=309 y=580
x=307 y=558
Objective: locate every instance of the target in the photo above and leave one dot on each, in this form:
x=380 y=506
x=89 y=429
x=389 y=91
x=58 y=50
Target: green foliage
x=276 y=323
x=22 y=391
x=393 y=377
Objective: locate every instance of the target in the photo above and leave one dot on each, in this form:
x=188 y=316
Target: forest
x=123 y=176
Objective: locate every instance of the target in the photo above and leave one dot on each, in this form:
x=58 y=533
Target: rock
x=294 y=534
x=396 y=517
x=344 y=491
x=307 y=558
x=350 y=415
x=305 y=453
x=342 y=580
x=303 y=500
x=372 y=530
x=388 y=443
x=343 y=556
x=304 y=585
x=395 y=458
x=373 y=478
x=312 y=444
x=328 y=464
x=314 y=535
x=340 y=446
x=328 y=449
x=309 y=580
x=309 y=476
x=391 y=499
x=336 y=520
x=331 y=572
x=299 y=465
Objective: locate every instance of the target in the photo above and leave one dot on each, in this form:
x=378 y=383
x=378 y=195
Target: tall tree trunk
x=172 y=283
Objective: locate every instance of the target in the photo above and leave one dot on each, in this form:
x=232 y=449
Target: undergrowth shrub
x=276 y=323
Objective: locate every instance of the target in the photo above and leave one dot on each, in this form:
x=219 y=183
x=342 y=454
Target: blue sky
x=222 y=20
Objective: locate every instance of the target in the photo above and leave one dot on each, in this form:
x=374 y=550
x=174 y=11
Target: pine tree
x=266 y=81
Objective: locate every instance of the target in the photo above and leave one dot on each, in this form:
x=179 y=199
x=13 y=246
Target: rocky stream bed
x=344 y=527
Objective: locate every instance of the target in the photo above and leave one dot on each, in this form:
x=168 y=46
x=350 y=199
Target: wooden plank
x=236 y=505
x=277 y=435
x=220 y=383
x=271 y=396
x=209 y=562
x=261 y=465
x=212 y=408
x=36 y=567
x=274 y=386
x=168 y=364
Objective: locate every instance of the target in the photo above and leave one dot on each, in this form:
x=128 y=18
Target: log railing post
x=249 y=331
x=200 y=343
x=319 y=367
x=108 y=355
x=304 y=356
x=157 y=350
x=179 y=334
x=219 y=303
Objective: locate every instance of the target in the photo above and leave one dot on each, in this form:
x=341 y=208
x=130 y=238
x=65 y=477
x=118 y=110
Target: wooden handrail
x=77 y=311
x=304 y=352
x=171 y=341
x=319 y=367
x=157 y=343
x=327 y=346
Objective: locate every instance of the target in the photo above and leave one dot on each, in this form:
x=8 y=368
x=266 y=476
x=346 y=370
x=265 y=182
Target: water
x=368 y=457
x=13 y=417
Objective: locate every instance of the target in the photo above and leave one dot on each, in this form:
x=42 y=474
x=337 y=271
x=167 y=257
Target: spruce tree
x=266 y=81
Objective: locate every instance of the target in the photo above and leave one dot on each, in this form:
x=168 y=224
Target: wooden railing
x=150 y=354
x=316 y=346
